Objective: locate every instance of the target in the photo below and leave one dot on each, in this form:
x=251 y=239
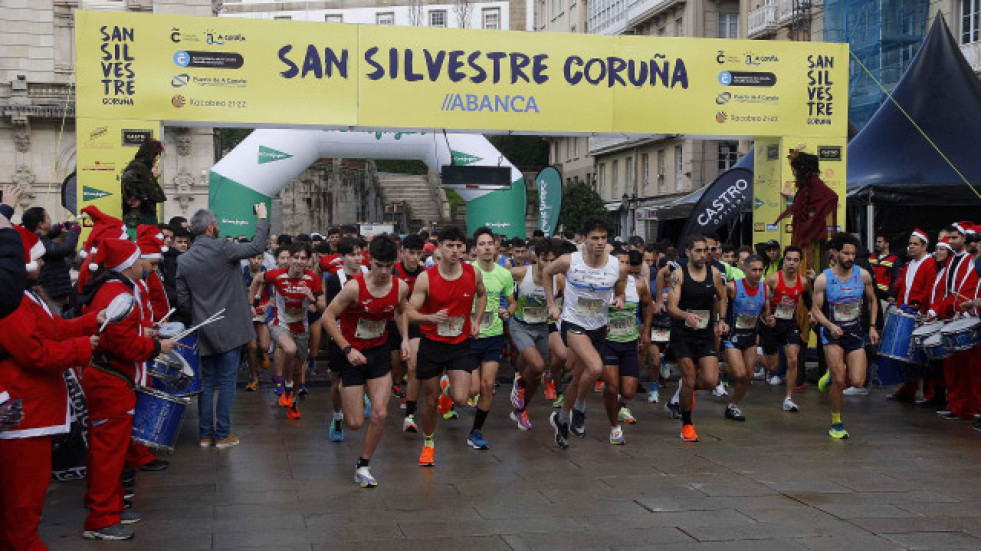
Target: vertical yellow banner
x=105 y=147
x=768 y=163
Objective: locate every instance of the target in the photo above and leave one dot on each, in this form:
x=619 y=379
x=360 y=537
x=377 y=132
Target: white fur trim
x=164 y=249
x=83 y=253
x=4 y=397
x=151 y=256
x=127 y=263
x=922 y=236
x=32 y=266
x=93 y=266
x=37 y=251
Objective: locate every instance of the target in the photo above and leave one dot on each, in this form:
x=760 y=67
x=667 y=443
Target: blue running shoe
x=838 y=431
x=367 y=407
x=476 y=440
x=336 y=430
x=825 y=381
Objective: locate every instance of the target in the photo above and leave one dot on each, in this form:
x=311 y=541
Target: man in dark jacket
x=141 y=192
x=59 y=244
x=13 y=273
x=209 y=279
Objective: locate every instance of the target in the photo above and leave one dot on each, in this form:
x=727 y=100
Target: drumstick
x=167 y=315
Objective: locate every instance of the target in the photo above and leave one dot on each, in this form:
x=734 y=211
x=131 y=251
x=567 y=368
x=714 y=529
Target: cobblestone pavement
x=906 y=480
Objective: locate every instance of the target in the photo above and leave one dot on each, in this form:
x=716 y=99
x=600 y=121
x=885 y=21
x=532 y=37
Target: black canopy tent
x=896 y=178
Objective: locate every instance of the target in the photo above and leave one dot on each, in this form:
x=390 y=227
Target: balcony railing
x=639 y=10
x=972 y=53
x=606 y=17
x=761 y=21
x=786 y=10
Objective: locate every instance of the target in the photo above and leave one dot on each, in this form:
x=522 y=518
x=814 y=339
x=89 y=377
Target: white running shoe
x=790 y=406
x=363 y=477
x=719 y=391
x=653 y=396
x=855 y=391
x=776 y=380
x=616 y=436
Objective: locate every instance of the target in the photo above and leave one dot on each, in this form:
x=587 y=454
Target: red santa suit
x=151 y=242
x=109 y=384
x=36 y=347
x=913 y=290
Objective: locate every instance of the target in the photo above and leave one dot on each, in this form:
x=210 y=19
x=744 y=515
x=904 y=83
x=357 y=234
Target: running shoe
x=950 y=416
x=302 y=391
x=665 y=370
x=452 y=414
x=674 y=409
x=364 y=479
x=720 y=391
x=616 y=436
x=776 y=380
x=265 y=361
x=855 y=391
x=517 y=395
x=116 y=532
x=397 y=391
x=129 y=517
x=654 y=395
x=838 y=431
x=598 y=387
x=801 y=387
x=688 y=433
x=402 y=403
x=561 y=430
x=428 y=457
x=476 y=440
x=252 y=386
x=734 y=413
x=578 y=424
x=759 y=374
x=293 y=412
x=790 y=406
x=279 y=389
x=559 y=400
x=521 y=418
x=825 y=381
x=367 y=407
x=472 y=401
x=443 y=404
x=286 y=399
x=444 y=385
x=409 y=425
x=336 y=430
x=626 y=416
x=549 y=390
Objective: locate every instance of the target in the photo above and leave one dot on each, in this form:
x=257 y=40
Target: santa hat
x=965 y=227
x=150 y=240
x=117 y=254
x=945 y=242
x=104 y=227
x=33 y=247
x=922 y=235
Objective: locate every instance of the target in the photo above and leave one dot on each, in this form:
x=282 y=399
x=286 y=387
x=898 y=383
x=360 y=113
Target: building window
x=729 y=25
x=662 y=169
x=728 y=155
x=334 y=18
x=282 y=17
x=492 y=18
x=614 y=174
x=679 y=167
x=629 y=185
x=602 y=180
x=679 y=26
x=437 y=18
x=386 y=18
x=568 y=148
x=969 y=21
x=645 y=171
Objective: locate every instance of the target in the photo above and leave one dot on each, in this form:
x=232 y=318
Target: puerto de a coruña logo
x=723 y=98
x=180 y=80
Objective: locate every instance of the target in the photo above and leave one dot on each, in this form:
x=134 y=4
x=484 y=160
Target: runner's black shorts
x=395 y=339
x=435 y=357
x=852 y=339
x=378 y=365
x=596 y=336
x=785 y=333
x=695 y=349
x=624 y=355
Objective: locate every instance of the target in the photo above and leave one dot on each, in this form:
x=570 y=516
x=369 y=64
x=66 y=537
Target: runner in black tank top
x=697 y=298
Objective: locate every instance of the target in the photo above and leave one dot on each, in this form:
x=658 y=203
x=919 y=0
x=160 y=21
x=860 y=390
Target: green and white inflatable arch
x=267 y=160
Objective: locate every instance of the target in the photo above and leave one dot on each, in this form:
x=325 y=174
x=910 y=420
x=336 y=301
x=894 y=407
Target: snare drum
x=919 y=335
x=157 y=419
x=934 y=348
x=169 y=329
x=170 y=373
x=188 y=349
x=962 y=334
x=896 y=336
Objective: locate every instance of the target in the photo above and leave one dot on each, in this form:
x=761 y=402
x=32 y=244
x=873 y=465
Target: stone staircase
x=426 y=201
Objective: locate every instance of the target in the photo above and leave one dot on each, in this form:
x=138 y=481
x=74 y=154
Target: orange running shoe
x=550 y=390
x=285 y=400
x=688 y=433
x=428 y=457
x=444 y=385
x=293 y=412
x=444 y=404
x=598 y=387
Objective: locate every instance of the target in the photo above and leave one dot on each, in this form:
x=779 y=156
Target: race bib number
x=452 y=327
x=369 y=329
x=487 y=321
x=660 y=334
x=590 y=306
x=745 y=322
x=622 y=326
x=785 y=311
x=294 y=315
x=534 y=314
x=704 y=318
x=846 y=312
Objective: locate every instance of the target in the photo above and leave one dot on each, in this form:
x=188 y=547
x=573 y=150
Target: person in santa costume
x=151 y=242
x=913 y=287
x=36 y=347
x=109 y=383
x=104 y=227
x=961 y=288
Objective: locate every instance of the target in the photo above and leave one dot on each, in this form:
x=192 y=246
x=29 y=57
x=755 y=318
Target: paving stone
x=936 y=540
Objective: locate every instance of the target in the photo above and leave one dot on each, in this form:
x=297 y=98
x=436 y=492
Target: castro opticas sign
x=327 y=75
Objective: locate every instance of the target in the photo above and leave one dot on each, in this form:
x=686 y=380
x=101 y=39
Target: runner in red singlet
x=365 y=306
x=408 y=269
x=782 y=329
x=441 y=304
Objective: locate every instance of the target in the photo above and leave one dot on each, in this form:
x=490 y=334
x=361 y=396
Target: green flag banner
x=549 y=184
